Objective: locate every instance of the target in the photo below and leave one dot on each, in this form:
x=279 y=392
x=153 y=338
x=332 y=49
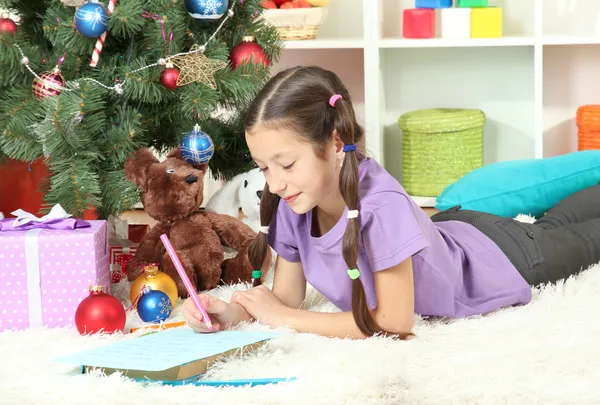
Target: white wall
x=344 y=20
x=571 y=79
x=503 y=81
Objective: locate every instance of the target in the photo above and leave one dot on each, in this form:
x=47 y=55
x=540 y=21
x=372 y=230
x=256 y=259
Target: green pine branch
x=86 y=133
x=74 y=184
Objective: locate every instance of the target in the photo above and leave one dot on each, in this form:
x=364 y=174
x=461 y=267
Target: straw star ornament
x=197 y=67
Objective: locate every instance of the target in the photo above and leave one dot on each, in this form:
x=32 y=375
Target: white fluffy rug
x=547 y=352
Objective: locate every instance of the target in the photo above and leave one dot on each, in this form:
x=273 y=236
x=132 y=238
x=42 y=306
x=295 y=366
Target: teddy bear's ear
x=176 y=153
x=136 y=167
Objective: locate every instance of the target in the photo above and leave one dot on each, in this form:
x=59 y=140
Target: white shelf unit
x=529 y=83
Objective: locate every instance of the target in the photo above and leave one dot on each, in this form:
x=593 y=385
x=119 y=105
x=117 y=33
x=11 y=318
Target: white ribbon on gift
x=34 y=281
x=32 y=258
x=23 y=217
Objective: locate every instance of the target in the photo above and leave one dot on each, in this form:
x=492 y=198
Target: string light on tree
x=202 y=61
x=89 y=109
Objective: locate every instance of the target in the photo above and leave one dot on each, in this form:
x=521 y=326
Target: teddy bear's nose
x=259 y=193
x=191 y=179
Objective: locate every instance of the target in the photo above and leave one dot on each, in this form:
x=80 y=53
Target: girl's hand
x=262 y=305
x=220 y=312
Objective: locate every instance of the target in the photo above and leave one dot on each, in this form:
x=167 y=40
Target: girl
x=339 y=221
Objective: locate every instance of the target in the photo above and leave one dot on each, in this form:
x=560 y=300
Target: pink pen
x=186 y=281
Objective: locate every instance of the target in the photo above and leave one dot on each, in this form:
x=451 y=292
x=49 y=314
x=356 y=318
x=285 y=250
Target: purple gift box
x=46 y=269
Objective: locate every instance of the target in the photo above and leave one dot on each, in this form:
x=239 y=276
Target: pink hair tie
x=333 y=99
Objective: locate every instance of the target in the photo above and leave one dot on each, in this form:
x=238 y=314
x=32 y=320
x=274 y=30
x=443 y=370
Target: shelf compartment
x=499 y=81
x=517 y=15
x=570 y=80
x=572 y=18
x=344 y=21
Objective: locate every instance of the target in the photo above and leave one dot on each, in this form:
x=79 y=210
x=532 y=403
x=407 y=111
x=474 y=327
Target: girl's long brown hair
x=298 y=99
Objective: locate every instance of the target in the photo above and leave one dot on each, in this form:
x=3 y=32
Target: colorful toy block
x=471 y=3
x=418 y=23
x=486 y=22
x=433 y=3
x=455 y=22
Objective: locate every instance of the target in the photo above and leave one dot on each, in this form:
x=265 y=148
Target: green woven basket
x=439 y=146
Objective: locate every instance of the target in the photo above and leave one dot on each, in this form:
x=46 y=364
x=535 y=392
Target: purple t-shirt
x=458 y=271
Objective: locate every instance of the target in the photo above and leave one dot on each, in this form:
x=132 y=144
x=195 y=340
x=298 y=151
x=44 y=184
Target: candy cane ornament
x=102 y=38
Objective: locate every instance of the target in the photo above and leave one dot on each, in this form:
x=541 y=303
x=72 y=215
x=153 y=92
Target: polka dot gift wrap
x=68 y=262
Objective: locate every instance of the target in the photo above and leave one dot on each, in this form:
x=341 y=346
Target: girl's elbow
x=397 y=326
x=401 y=328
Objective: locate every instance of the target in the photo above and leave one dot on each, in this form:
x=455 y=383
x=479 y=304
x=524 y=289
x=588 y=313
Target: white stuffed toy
x=240 y=198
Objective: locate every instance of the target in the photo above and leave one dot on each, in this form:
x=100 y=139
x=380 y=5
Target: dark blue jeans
x=565 y=241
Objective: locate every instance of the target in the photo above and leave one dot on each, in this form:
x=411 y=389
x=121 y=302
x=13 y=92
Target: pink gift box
x=46 y=273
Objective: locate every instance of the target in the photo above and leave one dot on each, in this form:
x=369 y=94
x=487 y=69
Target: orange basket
x=588 y=122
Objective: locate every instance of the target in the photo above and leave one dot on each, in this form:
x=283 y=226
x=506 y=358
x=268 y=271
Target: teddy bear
x=240 y=198
x=172 y=194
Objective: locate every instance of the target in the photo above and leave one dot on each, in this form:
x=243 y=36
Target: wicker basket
x=296 y=23
x=588 y=123
x=439 y=146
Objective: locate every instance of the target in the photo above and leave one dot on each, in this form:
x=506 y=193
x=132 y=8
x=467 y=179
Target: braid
x=288 y=101
x=349 y=182
x=259 y=248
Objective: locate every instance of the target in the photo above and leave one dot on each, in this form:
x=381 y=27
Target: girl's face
x=293 y=170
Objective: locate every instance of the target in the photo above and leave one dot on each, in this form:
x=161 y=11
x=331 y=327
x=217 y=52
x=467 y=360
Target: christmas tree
x=84 y=85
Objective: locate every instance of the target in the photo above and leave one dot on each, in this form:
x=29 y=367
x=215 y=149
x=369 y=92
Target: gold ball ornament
x=155 y=279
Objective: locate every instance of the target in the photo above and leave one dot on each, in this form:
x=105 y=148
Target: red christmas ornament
x=169 y=76
x=8 y=25
x=248 y=50
x=49 y=84
x=99 y=312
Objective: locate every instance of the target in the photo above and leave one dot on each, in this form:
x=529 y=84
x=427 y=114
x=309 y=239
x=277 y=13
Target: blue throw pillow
x=531 y=186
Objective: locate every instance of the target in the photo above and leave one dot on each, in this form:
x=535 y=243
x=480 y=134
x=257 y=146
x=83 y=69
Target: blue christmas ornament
x=197 y=147
x=207 y=9
x=91 y=19
x=154 y=306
